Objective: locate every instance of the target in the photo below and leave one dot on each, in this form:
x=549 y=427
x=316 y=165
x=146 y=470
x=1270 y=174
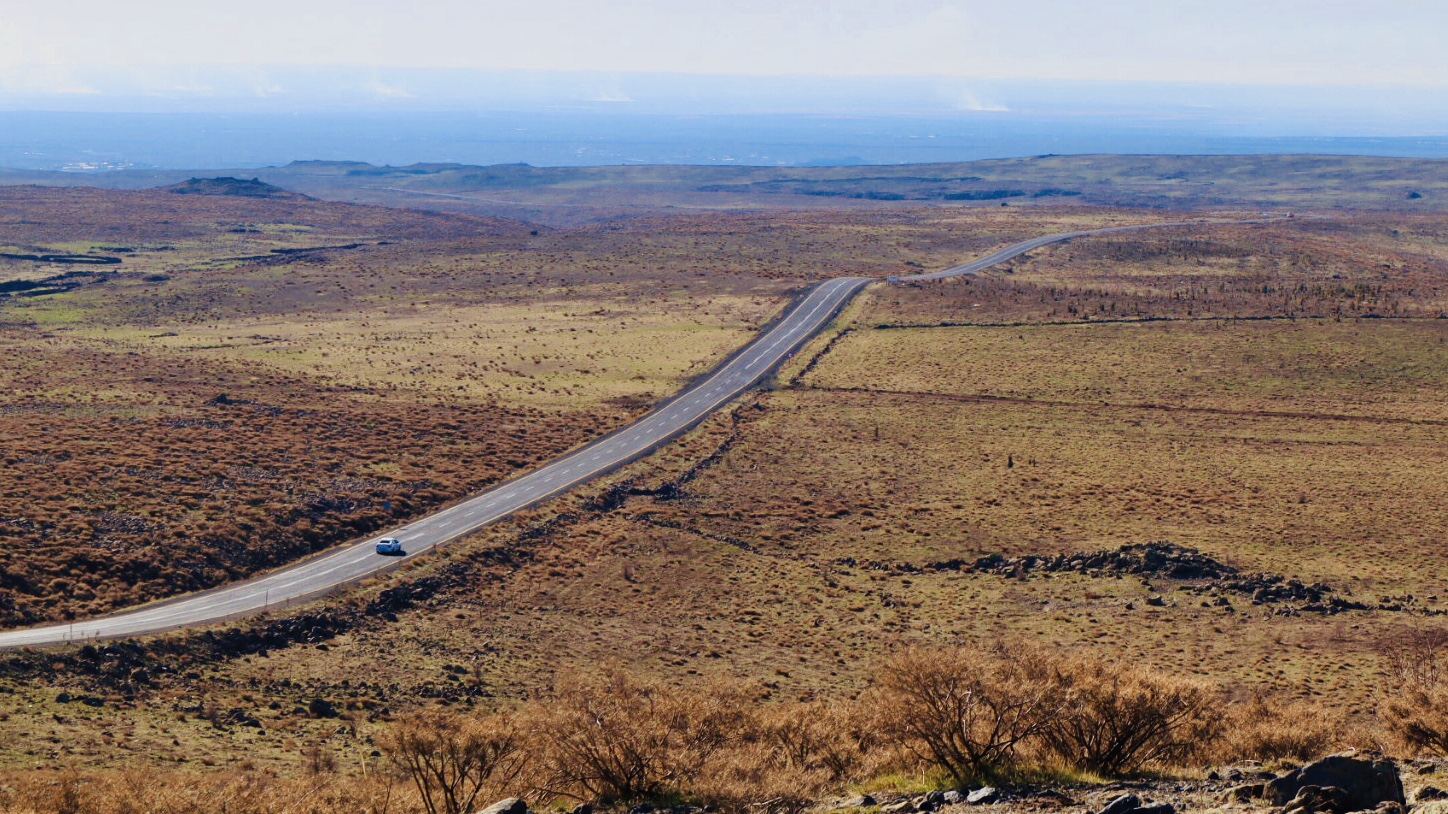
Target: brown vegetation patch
x=129 y=477
x=1336 y=268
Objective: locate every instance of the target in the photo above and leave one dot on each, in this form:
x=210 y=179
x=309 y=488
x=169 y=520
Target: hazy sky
x=50 y=46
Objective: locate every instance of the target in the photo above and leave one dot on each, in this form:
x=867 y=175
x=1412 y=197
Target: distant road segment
x=324 y=573
x=1024 y=246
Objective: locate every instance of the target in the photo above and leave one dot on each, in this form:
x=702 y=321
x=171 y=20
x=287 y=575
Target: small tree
x=963 y=710
x=452 y=759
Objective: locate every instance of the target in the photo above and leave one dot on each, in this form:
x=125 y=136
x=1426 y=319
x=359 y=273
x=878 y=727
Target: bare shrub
x=965 y=711
x=785 y=759
x=452 y=760
x=618 y=738
x=748 y=776
x=818 y=737
x=318 y=759
x=1267 y=728
x=1116 y=719
x=1414 y=711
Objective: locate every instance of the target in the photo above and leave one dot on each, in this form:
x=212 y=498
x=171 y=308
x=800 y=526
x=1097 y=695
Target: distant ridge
x=255 y=188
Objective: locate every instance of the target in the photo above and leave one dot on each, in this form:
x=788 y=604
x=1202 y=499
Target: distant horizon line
x=466 y=165
x=286 y=88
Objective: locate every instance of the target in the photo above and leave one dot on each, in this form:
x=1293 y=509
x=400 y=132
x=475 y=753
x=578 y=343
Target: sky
x=980 y=75
x=57 y=46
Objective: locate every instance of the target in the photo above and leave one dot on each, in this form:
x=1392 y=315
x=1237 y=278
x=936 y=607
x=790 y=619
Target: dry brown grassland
x=257 y=380
x=1271 y=396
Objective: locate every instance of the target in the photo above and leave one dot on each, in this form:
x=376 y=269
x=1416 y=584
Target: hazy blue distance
x=544 y=118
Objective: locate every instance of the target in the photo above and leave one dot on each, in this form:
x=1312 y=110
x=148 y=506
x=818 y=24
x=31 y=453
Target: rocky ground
x=1336 y=784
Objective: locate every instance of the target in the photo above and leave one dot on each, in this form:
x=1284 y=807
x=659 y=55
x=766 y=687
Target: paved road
x=1036 y=242
x=319 y=575
x=326 y=572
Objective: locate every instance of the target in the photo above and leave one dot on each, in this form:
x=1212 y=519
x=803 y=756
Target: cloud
x=376 y=87
x=969 y=100
x=31 y=73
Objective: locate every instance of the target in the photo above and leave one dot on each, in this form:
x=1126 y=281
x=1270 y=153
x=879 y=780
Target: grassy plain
x=255 y=380
x=239 y=343
x=1312 y=449
x=1270 y=395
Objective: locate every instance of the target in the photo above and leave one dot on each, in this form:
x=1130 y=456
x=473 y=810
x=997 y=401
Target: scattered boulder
x=1318 y=800
x=930 y=802
x=1245 y=792
x=510 y=805
x=1159 y=559
x=1122 y=804
x=858 y=801
x=1051 y=798
x=983 y=796
x=902 y=807
x=1363 y=781
x=240 y=717
x=952 y=797
x=1423 y=794
x=1155 y=808
x=321 y=708
x=1431 y=807
x=582 y=808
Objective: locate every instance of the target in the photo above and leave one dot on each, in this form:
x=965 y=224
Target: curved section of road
x=327 y=572
x=1024 y=246
x=323 y=574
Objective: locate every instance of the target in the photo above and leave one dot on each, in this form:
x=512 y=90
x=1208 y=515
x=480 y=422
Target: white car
x=389 y=545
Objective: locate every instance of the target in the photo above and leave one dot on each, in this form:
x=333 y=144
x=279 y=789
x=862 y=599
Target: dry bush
x=964 y=711
x=1414 y=711
x=157 y=792
x=1114 y=720
x=452 y=760
x=1267 y=728
x=618 y=738
x=749 y=777
x=791 y=756
x=824 y=737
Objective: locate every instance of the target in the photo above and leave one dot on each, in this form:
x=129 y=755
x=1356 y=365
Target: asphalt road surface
x=327 y=572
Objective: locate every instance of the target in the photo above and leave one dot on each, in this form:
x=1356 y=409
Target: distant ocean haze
x=98 y=141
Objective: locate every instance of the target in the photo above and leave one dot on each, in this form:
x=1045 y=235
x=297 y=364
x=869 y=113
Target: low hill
x=255 y=188
x=573 y=195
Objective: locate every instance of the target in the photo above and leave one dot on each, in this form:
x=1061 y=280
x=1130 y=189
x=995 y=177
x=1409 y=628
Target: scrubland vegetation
x=1132 y=506
x=262 y=379
x=1015 y=716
